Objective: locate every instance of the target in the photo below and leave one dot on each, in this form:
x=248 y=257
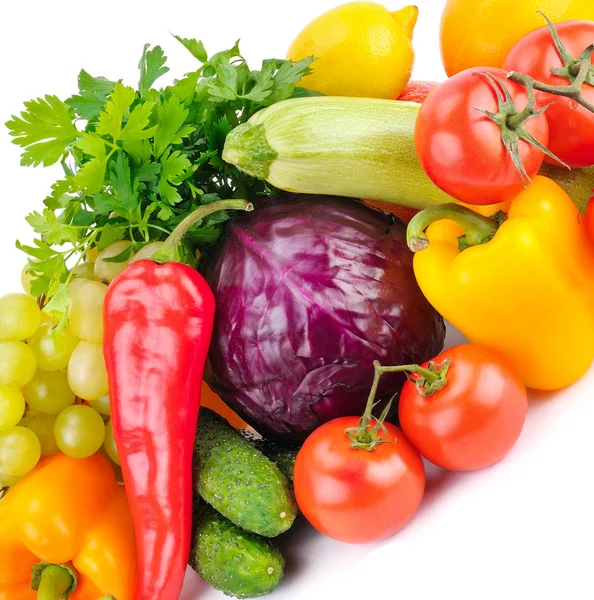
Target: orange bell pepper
x=68 y=524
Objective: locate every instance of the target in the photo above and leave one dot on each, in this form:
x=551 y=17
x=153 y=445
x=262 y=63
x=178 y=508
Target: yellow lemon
x=480 y=33
x=361 y=49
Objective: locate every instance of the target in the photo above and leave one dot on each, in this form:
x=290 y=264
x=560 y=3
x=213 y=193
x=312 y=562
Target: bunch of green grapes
x=53 y=382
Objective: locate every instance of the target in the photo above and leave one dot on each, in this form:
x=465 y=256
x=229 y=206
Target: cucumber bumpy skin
x=239 y=481
x=283 y=457
x=232 y=560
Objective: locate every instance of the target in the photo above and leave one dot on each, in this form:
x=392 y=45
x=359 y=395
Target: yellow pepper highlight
x=528 y=292
x=68 y=511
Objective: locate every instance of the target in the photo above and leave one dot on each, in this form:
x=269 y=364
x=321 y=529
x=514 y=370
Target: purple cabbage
x=310 y=290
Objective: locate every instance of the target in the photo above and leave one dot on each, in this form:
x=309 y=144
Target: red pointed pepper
x=158 y=321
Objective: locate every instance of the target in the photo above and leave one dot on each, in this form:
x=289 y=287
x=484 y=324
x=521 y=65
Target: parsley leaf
x=142 y=159
x=54 y=231
x=171 y=116
x=195 y=47
x=110 y=119
x=45 y=130
x=120 y=178
x=92 y=96
x=152 y=66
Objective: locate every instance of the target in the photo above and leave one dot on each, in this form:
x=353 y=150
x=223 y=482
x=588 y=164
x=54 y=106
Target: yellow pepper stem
x=53 y=582
x=477 y=229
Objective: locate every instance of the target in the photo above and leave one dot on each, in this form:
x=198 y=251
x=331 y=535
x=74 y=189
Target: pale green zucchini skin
x=354 y=147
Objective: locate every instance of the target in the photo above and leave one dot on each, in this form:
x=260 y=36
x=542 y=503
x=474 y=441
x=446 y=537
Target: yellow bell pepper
x=525 y=287
x=68 y=524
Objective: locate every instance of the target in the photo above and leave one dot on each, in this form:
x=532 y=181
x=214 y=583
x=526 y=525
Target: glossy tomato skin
x=461 y=149
x=475 y=420
x=355 y=495
x=571 y=126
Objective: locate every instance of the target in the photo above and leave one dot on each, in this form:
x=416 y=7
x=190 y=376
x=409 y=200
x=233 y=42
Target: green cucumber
x=239 y=481
x=232 y=560
x=283 y=457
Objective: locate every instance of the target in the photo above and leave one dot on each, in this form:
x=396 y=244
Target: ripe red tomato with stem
x=552 y=57
x=479 y=137
x=359 y=480
x=465 y=409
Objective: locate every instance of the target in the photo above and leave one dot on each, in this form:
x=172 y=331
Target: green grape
x=110 y=445
x=19 y=317
x=86 y=371
x=20 y=451
x=8 y=480
x=108 y=271
x=147 y=251
x=84 y=270
x=86 y=312
x=75 y=286
x=79 y=431
x=52 y=349
x=81 y=274
x=101 y=405
x=12 y=406
x=17 y=364
x=49 y=392
x=42 y=426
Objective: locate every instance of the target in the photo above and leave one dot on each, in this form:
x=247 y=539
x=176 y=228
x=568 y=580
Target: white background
x=523 y=529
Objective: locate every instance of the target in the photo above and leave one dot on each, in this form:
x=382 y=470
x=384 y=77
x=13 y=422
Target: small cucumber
x=232 y=560
x=283 y=457
x=239 y=481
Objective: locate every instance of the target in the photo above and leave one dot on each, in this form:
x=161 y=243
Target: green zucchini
x=354 y=147
x=232 y=560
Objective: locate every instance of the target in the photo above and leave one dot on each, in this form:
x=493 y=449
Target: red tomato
x=590 y=218
x=571 y=126
x=357 y=495
x=474 y=420
x=461 y=149
x=417 y=91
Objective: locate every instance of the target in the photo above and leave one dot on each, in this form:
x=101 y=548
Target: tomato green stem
x=511 y=123
x=577 y=70
x=429 y=380
x=573 y=91
x=477 y=228
x=53 y=582
x=170 y=250
x=364 y=436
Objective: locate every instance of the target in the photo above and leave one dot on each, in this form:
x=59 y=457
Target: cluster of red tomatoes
x=467 y=417
x=540 y=104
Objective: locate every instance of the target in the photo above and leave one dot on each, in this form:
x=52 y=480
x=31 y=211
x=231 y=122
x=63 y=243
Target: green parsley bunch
x=137 y=161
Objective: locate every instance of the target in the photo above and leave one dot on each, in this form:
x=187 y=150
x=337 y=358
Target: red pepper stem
x=170 y=250
x=477 y=229
x=53 y=582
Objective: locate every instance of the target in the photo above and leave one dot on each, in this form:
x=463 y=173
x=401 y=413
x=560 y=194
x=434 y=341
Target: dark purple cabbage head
x=310 y=290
